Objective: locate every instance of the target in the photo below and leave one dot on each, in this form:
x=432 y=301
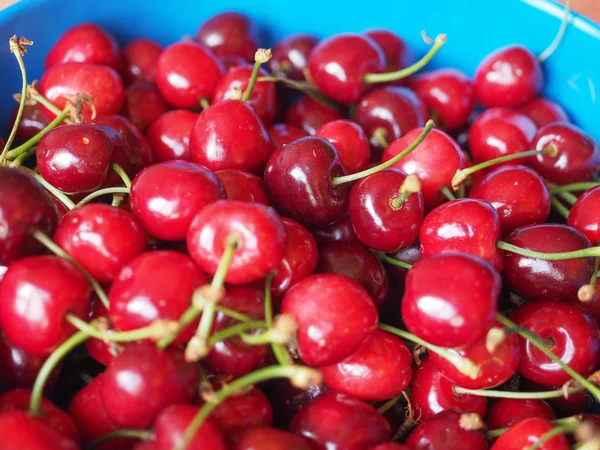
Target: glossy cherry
x=243 y=186
x=244 y=411
x=398 y=54
x=309 y=115
x=528 y=432
x=290 y=55
x=169 y=135
x=143 y=105
x=281 y=134
x=33 y=120
x=543 y=111
x=585 y=215
x=139 y=60
x=350 y=141
x=390 y=446
x=507 y=412
x=19 y=430
x=228 y=35
x=338 y=230
x=269 y=439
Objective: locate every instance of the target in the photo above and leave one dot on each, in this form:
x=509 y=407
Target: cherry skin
x=230 y=135
x=390 y=446
x=243 y=186
x=543 y=111
x=537 y=279
x=140 y=57
x=437 y=283
x=434 y=161
x=397 y=53
x=169 y=135
x=507 y=412
x=269 y=439
x=585 y=215
x=143 y=105
x=309 y=115
x=281 y=134
x=241 y=412
x=33 y=120
x=259 y=232
x=578 y=157
x=443 y=432
x=298 y=178
x=569 y=332
x=528 y=432
x=357 y=262
x=23 y=204
x=334 y=315
x=19 y=430
x=338 y=421
x=290 y=55
x=165 y=197
x=50 y=286
x=228 y=35
x=509 y=76
x=463 y=225
x=187 y=72
x=153 y=286
x=448 y=94
x=101 y=83
x=350 y=141
x=172 y=423
x=377 y=221
x=338 y=230
x=287 y=400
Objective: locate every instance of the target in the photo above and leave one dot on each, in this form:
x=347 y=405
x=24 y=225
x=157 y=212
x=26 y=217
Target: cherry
x=538 y=279
x=103 y=352
x=244 y=411
x=290 y=55
x=443 y=432
x=350 y=141
x=409 y=255
x=397 y=53
x=230 y=135
x=287 y=400
x=337 y=421
x=281 y=134
x=265 y=438
x=578 y=157
x=584 y=215
x=165 y=197
x=448 y=94
x=357 y=262
x=33 y=120
x=243 y=186
x=527 y=432
x=229 y=34
x=140 y=57
x=145 y=445
x=390 y=446
x=169 y=135
x=23 y=205
x=543 y=111
x=334 y=315
x=101 y=83
x=509 y=76
x=144 y=380
x=463 y=225
x=143 y=105
x=20 y=430
x=507 y=412
x=338 y=230
x=187 y=72
x=568 y=331
x=309 y=115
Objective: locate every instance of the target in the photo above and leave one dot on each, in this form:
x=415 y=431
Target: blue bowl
x=474 y=28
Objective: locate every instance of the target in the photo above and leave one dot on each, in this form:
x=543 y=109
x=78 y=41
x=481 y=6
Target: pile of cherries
x=218 y=246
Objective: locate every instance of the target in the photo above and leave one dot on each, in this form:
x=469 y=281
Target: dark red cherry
x=169 y=135
x=287 y=399
x=281 y=134
x=241 y=412
x=229 y=34
x=145 y=445
x=309 y=115
x=568 y=331
x=338 y=64
x=537 y=279
x=463 y=225
x=265 y=438
x=334 y=315
x=509 y=76
x=187 y=72
x=434 y=161
x=33 y=120
x=172 y=423
x=143 y=380
x=23 y=204
x=500 y=132
x=578 y=157
x=338 y=230
x=380 y=369
x=527 y=432
x=444 y=432
x=338 y=421
x=143 y=105
x=101 y=83
x=543 y=111
x=290 y=55
x=390 y=446
x=450 y=299
x=140 y=57
x=507 y=412
x=398 y=54
x=243 y=186
x=298 y=178
x=230 y=135
x=410 y=255
x=165 y=197
x=50 y=287
x=379 y=222
x=585 y=215
x=259 y=233
x=356 y=262
x=19 y=430
x=350 y=141
x=153 y=286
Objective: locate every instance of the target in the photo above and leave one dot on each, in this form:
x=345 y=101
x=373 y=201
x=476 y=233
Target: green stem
x=559 y=207
x=122 y=174
x=583 y=253
x=268 y=301
x=22 y=157
x=260 y=57
x=186 y=318
x=236 y=330
x=149 y=332
x=564 y=421
x=101 y=192
x=35 y=95
x=365 y=173
x=561 y=32
x=568 y=197
x=60 y=195
x=557 y=393
x=389 y=260
x=380 y=136
x=557 y=430
x=391 y=402
x=143 y=435
x=575 y=187
x=304 y=87
x=233 y=313
x=447 y=193
x=257 y=339
x=204 y=103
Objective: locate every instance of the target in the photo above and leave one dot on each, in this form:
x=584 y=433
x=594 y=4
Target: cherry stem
x=380 y=136
x=559 y=207
x=35 y=404
x=568 y=197
x=389 y=260
x=122 y=174
x=391 y=402
x=300 y=376
x=143 y=435
x=233 y=313
x=204 y=103
x=557 y=430
x=22 y=157
x=47 y=242
x=583 y=253
x=403 y=73
x=279 y=351
x=304 y=87
x=236 y=330
x=463 y=365
x=101 y=192
x=365 y=173
x=587 y=291
x=575 y=187
x=410 y=185
x=539 y=343
x=261 y=57
x=557 y=393
x=567 y=421
x=559 y=35
x=35 y=95
x=60 y=195
x=154 y=331
x=447 y=193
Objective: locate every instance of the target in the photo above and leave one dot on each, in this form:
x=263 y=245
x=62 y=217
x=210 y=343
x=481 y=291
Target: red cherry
x=507 y=412
x=269 y=439
x=338 y=230
x=33 y=120
x=172 y=423
x=390 y=446
x=281 y=134
x=350 y=141
x=229 y=34
x=334 y=315
x=187 y=72
x=103 y=352
x=290 y=55
x=259 y=232
x=527 y=432
x=101 y=83
x=243 y=186
x=450 y=299
x=140 y=57
x=230 y=135
x=585 y=215
x=543 y=111
x=397 y=53
x=19 y=430
x=568 y=331
x=309 y=115
x=165 y=197
x=169 y=135
x=143 y=105
x=241 y=412
x=335 y=420
x=509 y=76
x=84 y=43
